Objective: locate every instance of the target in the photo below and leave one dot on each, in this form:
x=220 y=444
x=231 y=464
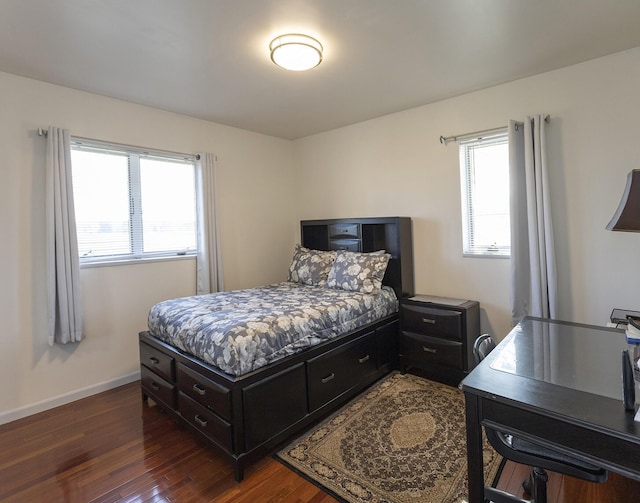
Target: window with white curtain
x=484 y=175
x=131 y=203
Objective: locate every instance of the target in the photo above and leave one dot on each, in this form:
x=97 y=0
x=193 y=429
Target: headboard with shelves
x=392 y=234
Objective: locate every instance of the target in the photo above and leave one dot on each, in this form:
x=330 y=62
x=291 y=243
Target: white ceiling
x=209 y=58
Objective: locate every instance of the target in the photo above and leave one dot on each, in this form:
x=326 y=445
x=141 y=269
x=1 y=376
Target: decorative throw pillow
x=358 y=272
x=310 y=267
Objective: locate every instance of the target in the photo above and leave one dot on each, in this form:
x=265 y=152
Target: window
x=132 y=204
x=484 y=173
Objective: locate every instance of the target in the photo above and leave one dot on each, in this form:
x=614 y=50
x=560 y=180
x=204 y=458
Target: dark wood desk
x=558 y=384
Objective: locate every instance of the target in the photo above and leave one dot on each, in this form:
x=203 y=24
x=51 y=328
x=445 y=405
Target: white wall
x=255 y=183
x=395 y=165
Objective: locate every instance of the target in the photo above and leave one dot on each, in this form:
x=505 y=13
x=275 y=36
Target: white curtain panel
x=64 y=297
x=208 y=259
x=533 y=264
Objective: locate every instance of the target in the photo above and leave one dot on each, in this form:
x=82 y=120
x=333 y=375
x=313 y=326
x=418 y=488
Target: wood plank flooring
x=112 y=447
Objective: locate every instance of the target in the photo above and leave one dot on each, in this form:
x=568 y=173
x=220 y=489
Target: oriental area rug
x=401 y=441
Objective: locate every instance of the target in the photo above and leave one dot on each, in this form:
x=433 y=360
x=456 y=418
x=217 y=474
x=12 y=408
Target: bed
x=247 y=370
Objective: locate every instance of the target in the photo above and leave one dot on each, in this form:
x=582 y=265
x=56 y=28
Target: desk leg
x=475 y=468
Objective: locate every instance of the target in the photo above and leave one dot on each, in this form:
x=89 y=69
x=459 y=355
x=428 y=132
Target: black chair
x=530 y=453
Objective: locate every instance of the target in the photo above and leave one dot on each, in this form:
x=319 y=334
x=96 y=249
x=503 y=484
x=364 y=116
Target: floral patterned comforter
x=242 y=330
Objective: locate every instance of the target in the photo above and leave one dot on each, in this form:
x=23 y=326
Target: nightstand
x=437 y=336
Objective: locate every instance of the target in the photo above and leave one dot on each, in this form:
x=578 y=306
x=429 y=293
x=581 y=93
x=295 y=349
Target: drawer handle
x=429 y=350
x=199 y=389
x=328 y=378
x=363 y=359
x=155 y=386
x=429 y=320
x=154 y=360
x=201 y=421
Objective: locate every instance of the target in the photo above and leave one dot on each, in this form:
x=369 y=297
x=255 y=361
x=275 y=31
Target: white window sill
x=131 y=261
x=486 y=255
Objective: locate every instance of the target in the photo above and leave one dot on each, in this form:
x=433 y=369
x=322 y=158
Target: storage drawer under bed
x=204 y=391
x=160 y=363
x=335 y=372
x=205 y=421
x=158 y=388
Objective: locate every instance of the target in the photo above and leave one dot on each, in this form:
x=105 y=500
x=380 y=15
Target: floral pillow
x=358 y=272
x=310 y=267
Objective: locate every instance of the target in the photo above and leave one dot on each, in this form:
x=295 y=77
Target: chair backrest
x=482 y=347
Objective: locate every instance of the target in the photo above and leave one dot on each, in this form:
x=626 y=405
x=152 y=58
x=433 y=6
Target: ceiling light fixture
x=296 y=52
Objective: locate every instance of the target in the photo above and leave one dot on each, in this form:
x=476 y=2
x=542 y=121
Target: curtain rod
x=479 y=134
x=133 y=148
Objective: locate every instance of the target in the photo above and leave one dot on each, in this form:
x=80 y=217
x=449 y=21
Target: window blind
x=485 y=195
x=132 y=203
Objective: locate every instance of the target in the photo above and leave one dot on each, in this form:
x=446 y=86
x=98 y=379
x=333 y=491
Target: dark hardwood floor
x=113 y=448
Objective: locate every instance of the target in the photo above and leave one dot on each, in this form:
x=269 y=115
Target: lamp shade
x=627 y=216
x=296 y=52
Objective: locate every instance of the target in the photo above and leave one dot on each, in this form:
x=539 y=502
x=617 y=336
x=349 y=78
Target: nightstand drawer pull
x=429 y=320
x=155 y=386
x=199 y=389
x=154 y=360
x=328 y=378
x=201 y=421
x=429 y=350
x=363 y=359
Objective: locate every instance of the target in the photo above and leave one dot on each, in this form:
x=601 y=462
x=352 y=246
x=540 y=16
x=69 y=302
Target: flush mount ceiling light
x=296 y=52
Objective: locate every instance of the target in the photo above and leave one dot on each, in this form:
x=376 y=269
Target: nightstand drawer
x=427 y=350
x=433 y=322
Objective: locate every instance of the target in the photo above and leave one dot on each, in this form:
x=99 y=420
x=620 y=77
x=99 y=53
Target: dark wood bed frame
x=249 y=416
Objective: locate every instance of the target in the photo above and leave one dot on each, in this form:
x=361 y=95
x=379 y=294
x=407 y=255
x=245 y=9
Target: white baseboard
x=50 y=403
